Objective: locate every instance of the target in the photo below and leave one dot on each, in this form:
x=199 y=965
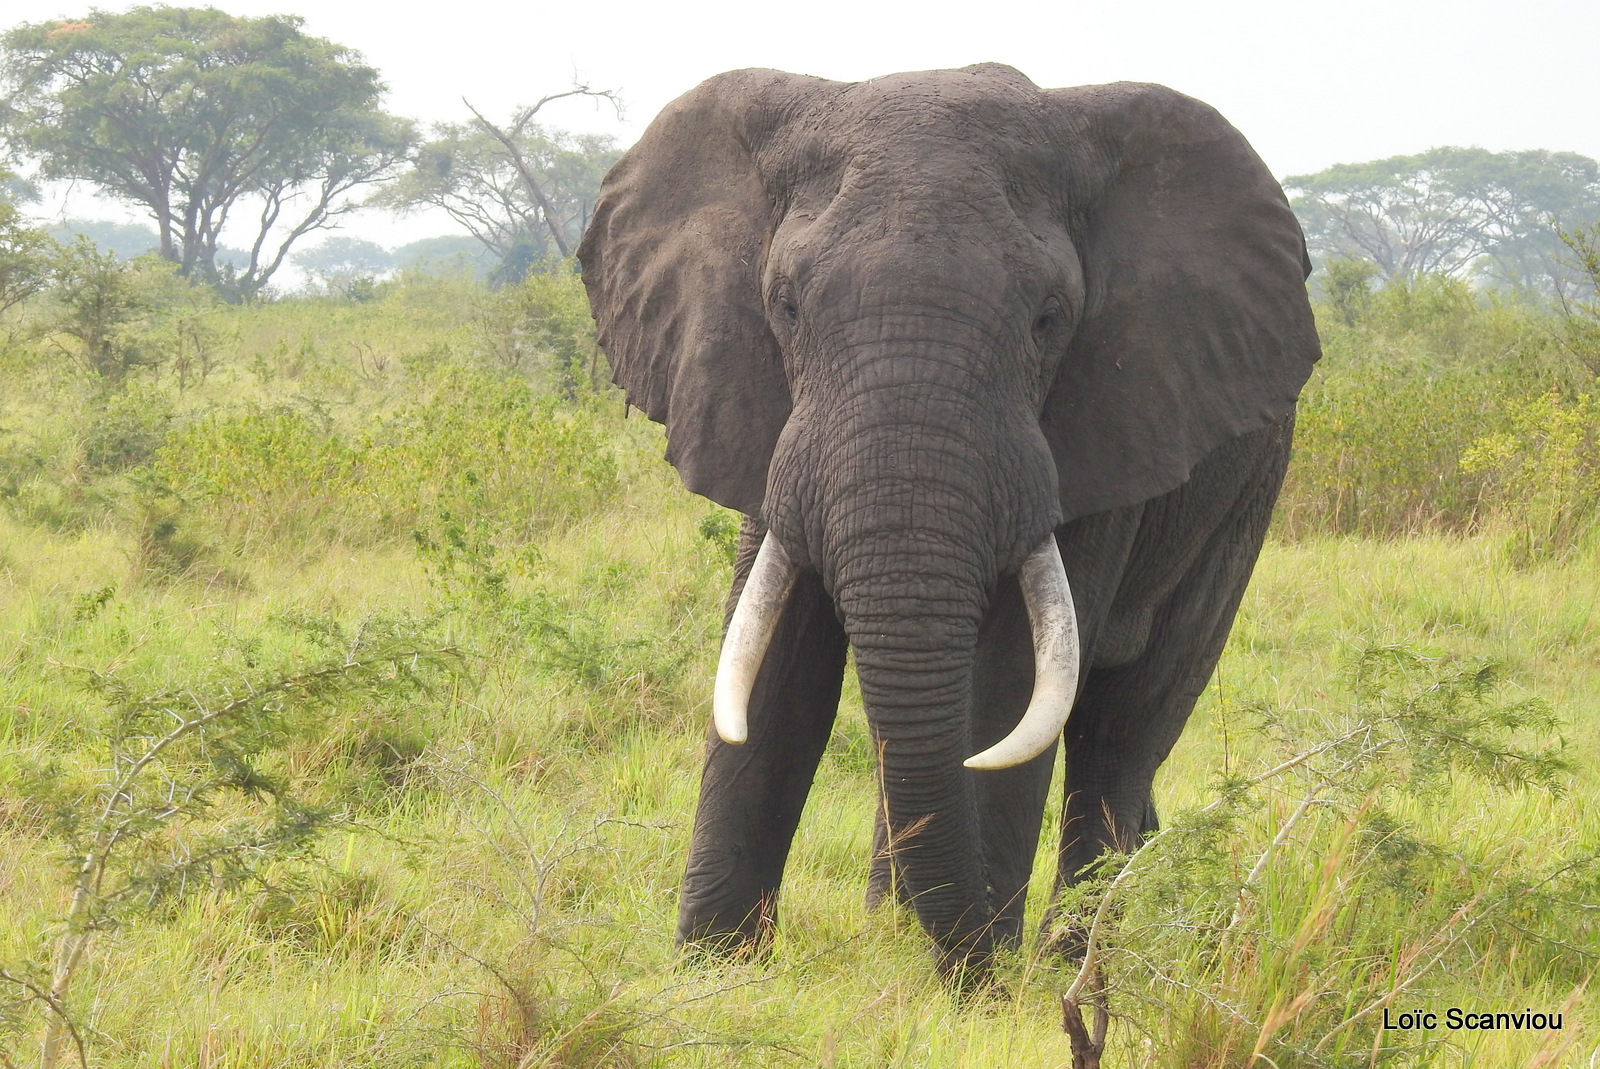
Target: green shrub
x=262 y=474
x=105 y=308
x=1442 y=310
x=1543 y=475
x=1377 y=450
x=1413 y=376
x=484 y=445
x=541 y=326
x=721 y=531
x=1347 y=285
x=489 y=445
x=126 y=430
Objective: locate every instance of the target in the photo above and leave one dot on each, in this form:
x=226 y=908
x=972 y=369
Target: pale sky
x=1309 y=85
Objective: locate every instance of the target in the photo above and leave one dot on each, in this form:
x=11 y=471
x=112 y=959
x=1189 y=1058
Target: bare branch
x=526 y=114
x=529 y=181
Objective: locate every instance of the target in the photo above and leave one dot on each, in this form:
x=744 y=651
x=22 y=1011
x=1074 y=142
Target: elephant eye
x=786 y=308
x=1046 y=324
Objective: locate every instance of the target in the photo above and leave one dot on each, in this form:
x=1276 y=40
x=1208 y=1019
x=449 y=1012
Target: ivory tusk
x=755 y=618
x=1055 y=659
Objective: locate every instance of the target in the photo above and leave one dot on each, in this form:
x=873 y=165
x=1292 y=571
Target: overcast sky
x=1309 y=85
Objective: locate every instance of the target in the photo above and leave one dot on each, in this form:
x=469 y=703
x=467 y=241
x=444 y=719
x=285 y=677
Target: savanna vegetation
x=356 y=660
x=356 y=652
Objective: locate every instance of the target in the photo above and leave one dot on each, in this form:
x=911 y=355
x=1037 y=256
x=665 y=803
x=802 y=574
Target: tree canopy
x=1454 y=211
x=204 y=119
x=525 y=191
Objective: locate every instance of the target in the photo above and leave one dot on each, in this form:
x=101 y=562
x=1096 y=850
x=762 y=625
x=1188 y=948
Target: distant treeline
x=1495 y=218
x=335 y=262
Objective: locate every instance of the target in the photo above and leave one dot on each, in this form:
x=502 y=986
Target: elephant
x=1002 y=380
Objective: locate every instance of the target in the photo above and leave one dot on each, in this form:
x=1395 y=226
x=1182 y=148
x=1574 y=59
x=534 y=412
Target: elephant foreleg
x=1130 y=714
x=751 y=795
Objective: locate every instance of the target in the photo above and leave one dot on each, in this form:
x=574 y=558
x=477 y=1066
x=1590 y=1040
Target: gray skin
x=913 y=326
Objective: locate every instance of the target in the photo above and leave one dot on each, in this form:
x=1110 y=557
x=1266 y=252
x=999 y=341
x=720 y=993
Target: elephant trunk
x=916 y=687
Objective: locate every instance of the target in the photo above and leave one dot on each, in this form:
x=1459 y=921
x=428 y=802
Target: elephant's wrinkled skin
x=912 y=326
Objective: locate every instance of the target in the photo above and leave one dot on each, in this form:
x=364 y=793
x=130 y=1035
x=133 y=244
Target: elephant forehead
x=930 y=131
x=1004 y=109
x=913 y=234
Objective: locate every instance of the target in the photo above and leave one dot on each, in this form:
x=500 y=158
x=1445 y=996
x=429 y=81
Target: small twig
x=56 y=1008
x=1259 y=869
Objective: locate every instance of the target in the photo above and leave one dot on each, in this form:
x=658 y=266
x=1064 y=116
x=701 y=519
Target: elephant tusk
x=755 y=618
x=1055 y=659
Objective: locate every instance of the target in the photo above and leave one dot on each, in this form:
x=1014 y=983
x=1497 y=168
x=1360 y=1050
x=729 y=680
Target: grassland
x=490 y=877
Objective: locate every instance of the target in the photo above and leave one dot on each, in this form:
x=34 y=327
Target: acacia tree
x=1455 y=211
x=205 y=119
x=524 y=190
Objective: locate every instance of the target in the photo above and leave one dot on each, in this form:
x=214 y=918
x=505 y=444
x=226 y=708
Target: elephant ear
x=1196 y=326
x=672 y=261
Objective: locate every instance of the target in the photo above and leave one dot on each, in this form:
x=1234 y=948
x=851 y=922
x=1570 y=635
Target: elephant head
x=912 y=326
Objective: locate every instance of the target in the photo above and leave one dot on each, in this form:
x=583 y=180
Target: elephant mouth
x=1051 y=614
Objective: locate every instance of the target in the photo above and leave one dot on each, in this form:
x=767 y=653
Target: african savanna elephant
x=995 y=374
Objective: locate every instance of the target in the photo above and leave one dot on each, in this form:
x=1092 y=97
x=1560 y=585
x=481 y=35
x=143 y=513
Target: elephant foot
x=715 y=937
x=729 y=947
x=965 y=958
x=1006 y=932
x=970 y=990
x=1064 y=933
x=1151 y=823
x=970 y=976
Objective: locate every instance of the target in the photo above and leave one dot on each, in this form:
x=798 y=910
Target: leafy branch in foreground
x=194 y=792
x=1261 y=926
x=561 y=993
